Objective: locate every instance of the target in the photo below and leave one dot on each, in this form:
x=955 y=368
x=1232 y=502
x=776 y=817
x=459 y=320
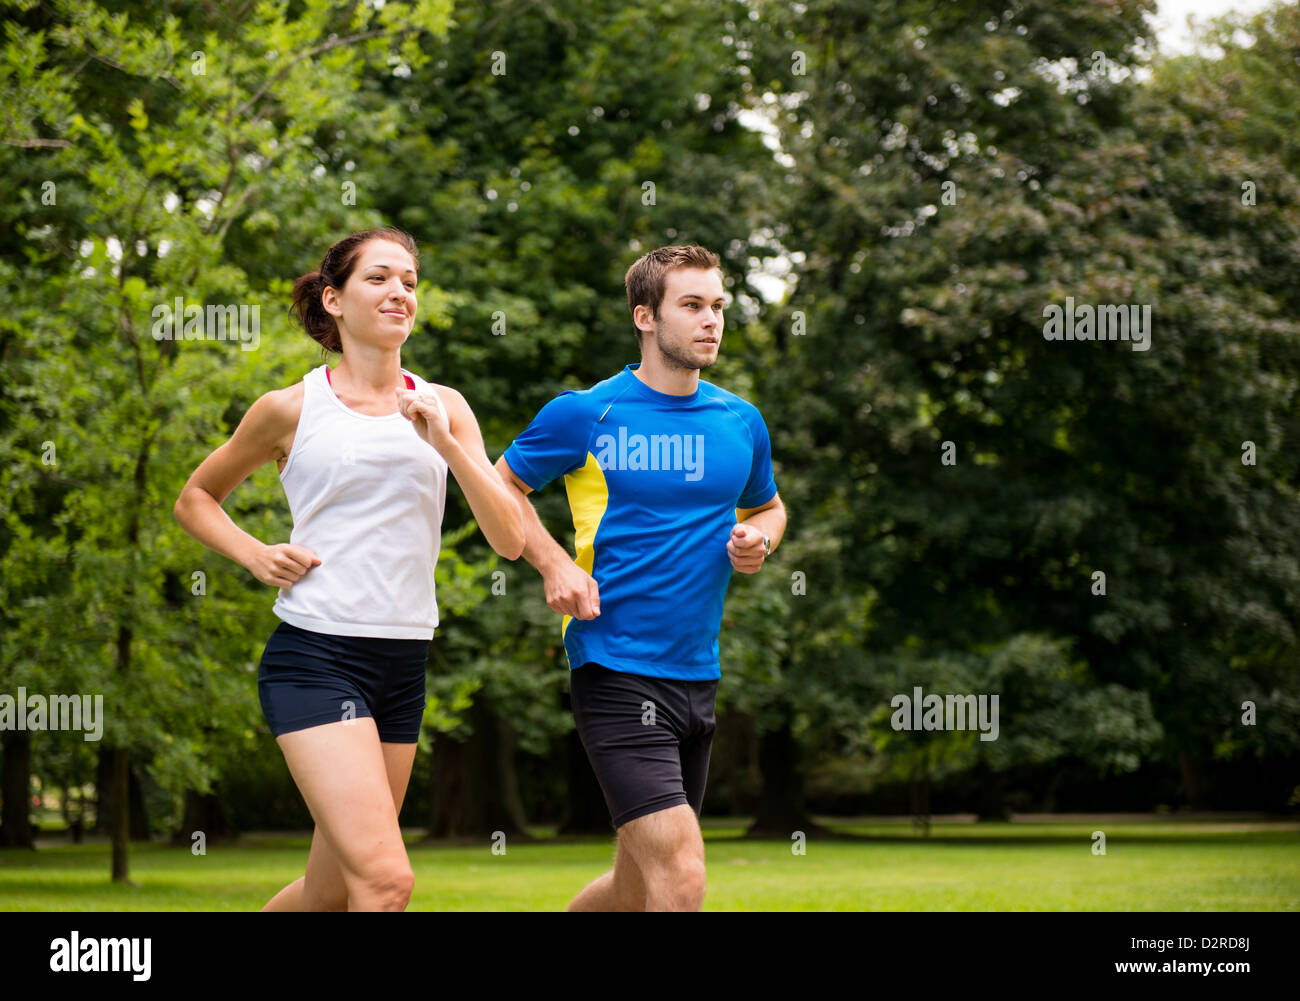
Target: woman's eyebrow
x=387 y=267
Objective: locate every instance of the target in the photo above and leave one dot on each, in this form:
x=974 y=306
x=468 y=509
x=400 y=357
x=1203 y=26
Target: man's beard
x=673 y=359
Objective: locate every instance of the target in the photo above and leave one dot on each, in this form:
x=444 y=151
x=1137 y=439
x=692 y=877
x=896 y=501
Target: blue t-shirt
x=654 y=482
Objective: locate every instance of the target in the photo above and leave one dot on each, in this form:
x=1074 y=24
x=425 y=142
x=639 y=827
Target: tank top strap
x=424 y=386
x=315 y=385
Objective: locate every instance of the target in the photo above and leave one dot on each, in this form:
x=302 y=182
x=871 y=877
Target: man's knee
x=687 y=876
x=627 y=884
x=675 y=881
x=674 y=870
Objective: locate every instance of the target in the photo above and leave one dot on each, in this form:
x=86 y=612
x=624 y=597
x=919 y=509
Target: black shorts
x=307 y=678
x=648 y=739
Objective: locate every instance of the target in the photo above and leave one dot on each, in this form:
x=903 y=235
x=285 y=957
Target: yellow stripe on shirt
x=588 y=498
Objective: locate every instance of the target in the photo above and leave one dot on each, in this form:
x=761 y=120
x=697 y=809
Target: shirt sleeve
x=554 y=443
x=761 y=486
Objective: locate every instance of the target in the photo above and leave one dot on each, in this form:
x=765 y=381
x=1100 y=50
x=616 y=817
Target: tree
x=943 y=192
x=161 y=143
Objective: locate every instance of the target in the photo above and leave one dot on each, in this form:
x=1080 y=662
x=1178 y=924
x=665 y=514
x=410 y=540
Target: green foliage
x=924 y=319
x=152 y=152
x=152 y=159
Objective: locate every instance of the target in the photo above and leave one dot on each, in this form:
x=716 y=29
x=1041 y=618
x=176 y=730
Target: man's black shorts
x=648 y=739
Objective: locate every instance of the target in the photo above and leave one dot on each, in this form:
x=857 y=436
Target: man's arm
x=570 y=590
x=745 y=547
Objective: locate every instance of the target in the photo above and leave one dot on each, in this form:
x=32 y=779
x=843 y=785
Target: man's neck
x=671 y=381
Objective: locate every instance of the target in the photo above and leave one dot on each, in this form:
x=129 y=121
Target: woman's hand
x=426 y=417
x=281 y=564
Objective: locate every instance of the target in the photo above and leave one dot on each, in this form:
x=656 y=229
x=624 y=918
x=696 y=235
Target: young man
x=670 y=484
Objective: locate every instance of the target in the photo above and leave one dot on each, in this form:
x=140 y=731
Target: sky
x=1172 y=14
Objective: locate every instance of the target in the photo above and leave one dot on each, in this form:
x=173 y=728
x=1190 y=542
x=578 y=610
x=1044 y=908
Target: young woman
x=363 y=452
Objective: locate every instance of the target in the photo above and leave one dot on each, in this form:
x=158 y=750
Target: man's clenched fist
x=570 y=590
x=745 y=547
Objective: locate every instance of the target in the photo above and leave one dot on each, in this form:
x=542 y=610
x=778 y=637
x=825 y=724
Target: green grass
x=1001 y=867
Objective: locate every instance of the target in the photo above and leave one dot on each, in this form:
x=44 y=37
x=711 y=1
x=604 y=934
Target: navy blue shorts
x=648 y=739
x=306 y=679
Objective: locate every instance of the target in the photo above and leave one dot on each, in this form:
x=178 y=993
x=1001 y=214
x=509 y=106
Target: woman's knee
x=329 y=897
x=386 y=885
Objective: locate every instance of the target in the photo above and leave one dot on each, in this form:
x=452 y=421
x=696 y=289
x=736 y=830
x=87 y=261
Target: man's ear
x=646 y=317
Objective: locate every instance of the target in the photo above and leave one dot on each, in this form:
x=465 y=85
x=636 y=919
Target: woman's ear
x=330 y=300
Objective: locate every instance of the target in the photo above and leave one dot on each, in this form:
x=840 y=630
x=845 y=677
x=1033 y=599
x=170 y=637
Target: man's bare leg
x=622 y=889
x=659 y=866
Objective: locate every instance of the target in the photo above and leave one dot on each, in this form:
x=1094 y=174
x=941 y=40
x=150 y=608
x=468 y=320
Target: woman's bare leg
x=357 y=859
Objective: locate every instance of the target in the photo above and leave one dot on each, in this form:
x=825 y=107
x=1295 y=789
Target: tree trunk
x=475 y=791
x=15 y=788
x=74 y=813
x=990 y=795
x=104 y=778
x=123 y=805
x=206 y=814
x=514 y=820
x=103 y=790
x=448 y=796
x=744 y=761
x=1191 y=781
x=920 y=790
x=780 y=799
x=121 y=815
x=138 y=819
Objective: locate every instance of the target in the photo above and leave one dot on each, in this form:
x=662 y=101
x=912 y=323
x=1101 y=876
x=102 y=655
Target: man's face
x=688 y=329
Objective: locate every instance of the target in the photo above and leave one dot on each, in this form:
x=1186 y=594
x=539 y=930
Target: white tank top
x=367 y=496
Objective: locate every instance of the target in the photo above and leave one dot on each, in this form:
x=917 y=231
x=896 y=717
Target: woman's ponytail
x=307 y=291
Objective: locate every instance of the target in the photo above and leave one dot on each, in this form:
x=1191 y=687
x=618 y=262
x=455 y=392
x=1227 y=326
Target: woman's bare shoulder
x=273 y=417
x=448 y=395
x=279 y=408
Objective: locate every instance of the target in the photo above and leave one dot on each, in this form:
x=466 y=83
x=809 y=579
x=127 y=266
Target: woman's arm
x=461 y=444
x=259 y=439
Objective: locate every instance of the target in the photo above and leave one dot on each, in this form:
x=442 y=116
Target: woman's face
x=377 y=302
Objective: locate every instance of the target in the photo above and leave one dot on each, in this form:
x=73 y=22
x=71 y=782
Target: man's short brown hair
x=645 y=279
